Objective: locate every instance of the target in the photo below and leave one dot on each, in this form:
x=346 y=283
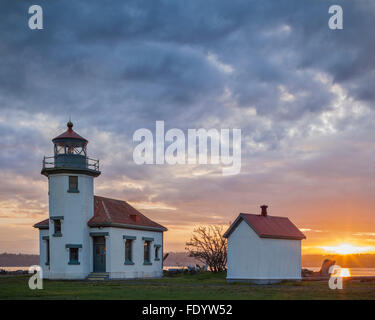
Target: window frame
x=57 y=233
x=57 y=226
x=157 y=248
x=47 y=252
x=129 y=251
x=146 y=252
x=147 y=243
x=72 y=253
x=73 y=250
x=130 y=240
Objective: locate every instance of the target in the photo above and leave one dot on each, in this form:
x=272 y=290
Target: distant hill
x=18 y=260
x=316 y=260
x=180 y=259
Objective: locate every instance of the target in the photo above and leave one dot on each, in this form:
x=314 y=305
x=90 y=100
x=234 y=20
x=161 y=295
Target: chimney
x=134 y=217
x=264 y=210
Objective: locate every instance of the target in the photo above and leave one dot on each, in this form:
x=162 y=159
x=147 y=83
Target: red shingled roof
x=115 y=213
x=118 y=213
x=268 y=227
x=69 y=134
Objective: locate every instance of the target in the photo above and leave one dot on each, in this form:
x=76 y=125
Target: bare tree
x=208 y=245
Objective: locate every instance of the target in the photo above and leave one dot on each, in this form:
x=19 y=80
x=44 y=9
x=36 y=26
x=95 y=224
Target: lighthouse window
x=57 y=227
x=73 y=184
x=73 y=256
x=73 y=253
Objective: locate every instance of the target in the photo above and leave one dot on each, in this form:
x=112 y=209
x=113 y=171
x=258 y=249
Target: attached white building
x=87 y=236
x=263 y=249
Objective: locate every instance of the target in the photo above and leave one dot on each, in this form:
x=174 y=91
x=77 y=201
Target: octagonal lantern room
x=70 y=154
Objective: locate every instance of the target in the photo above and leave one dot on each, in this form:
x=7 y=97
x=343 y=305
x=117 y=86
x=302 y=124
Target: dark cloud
x=272 y=68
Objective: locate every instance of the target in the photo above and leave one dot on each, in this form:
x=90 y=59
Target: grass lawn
x=199 y=286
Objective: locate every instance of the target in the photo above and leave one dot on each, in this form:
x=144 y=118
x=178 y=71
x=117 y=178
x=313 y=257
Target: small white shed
x=263 y=249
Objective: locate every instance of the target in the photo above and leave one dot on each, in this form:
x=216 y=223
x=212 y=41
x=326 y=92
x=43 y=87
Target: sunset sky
x=302 y=94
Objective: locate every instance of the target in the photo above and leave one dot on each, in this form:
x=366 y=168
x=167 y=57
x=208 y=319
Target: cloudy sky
x=302 y=94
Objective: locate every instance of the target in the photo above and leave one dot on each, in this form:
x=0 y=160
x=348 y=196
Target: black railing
x=70 y=161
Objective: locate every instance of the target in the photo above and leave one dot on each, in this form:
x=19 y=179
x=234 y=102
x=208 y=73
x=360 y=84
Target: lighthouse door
x=99 y=254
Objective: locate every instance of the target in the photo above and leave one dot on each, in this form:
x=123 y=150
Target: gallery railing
x=70 y=161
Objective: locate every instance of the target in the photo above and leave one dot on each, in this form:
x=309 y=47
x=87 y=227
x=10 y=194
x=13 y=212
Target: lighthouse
x=87 y=236
x=71 y=176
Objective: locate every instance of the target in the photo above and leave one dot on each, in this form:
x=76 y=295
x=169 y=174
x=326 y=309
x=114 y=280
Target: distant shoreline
x=182 y=259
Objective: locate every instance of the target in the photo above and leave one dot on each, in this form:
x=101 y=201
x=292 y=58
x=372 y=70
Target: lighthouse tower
x=71 y=176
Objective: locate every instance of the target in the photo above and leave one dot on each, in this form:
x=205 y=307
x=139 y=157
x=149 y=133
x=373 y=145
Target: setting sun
x=346 y=248
x=344 y=273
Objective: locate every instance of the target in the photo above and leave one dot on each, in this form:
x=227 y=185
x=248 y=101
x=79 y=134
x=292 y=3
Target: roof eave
x=125 y=226
x=281 y=237
x=40 y=227
x=233 y=226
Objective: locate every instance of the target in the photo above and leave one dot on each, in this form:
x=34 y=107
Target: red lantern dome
x=70 y=134
x=70 y=153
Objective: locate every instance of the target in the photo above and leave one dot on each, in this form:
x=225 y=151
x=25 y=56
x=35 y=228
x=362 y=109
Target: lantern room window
x=60 y=149
x=70 y=148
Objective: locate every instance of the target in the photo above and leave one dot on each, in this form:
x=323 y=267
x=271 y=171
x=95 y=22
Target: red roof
x=111 y=212
x=268 y=227
x=69 y=134
x=116 y=213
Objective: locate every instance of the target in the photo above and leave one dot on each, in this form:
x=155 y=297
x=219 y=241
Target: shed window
x=73 y=184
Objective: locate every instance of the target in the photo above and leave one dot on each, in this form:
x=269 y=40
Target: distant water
x=354 y=272
x=14 y=268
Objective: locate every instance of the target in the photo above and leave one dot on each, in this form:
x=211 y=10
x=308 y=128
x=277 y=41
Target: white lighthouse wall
x=116 y=254
x=253 y=258
x=77 y=209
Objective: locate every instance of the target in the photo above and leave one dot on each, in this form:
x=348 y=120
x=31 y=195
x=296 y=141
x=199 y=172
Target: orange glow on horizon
x=347 y=248
x=341 y=272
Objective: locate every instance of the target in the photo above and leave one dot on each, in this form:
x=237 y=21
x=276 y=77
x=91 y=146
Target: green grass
x=199 y=286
